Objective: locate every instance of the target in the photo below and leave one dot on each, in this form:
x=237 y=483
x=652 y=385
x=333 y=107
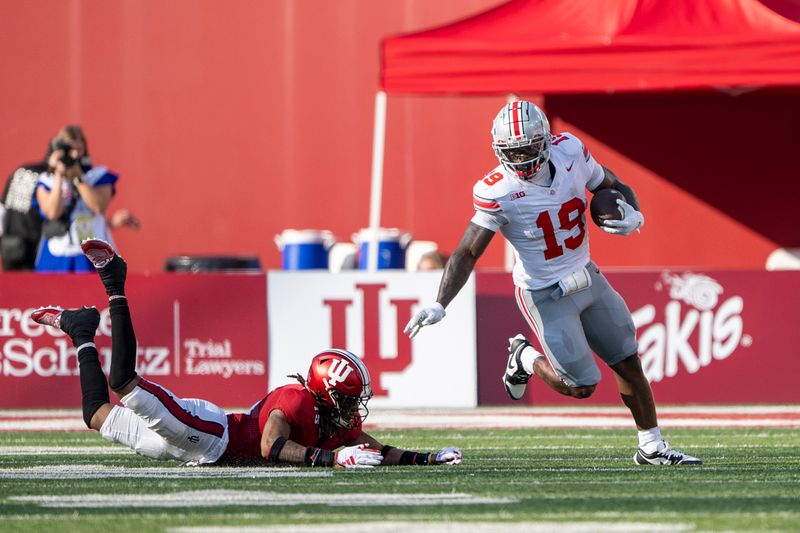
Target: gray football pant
x=571 y=327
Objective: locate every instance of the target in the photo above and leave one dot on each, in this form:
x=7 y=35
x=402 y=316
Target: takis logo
x=698 y=328
x=371 y=313
x=697 y=290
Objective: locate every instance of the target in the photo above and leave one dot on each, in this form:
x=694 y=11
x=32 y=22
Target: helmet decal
x=338 y=371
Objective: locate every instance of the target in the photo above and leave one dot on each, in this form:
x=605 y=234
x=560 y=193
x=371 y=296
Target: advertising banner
x=365 y=313
x=200 y=335
x=704 y=337
x=720 y=336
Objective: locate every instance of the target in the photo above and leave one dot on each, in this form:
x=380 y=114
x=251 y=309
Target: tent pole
x=376 y=191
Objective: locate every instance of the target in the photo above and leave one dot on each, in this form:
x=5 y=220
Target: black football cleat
x=515 y=380
x=665 y=455
x=110 y=266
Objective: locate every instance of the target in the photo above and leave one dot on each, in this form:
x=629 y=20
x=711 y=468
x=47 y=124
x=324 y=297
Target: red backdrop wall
x=231 y=122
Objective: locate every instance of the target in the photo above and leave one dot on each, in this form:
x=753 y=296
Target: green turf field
x=583 y=479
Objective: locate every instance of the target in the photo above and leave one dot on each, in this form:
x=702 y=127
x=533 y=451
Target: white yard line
x=42 y=424
x=105 y=472
x=217 y=498
x=39 y=413
x=449 y=527
x=505 y=421
x=101 y=449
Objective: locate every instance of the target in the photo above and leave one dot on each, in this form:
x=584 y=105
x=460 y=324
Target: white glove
x=631 y=220
x=358 y=457
x=448 y=456
x=427 y=316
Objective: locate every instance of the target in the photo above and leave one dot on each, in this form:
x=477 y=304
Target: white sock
x=649 y=439
x=527 y=357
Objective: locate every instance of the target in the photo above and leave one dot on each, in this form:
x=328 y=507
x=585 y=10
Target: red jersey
x=299 y=409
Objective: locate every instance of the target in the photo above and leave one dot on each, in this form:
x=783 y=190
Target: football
x=604 y=206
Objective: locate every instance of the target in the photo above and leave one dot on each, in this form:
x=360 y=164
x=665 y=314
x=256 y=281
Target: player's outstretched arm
x=396 y=456
x=276 y=448
x=462 y=261
x=456 y=273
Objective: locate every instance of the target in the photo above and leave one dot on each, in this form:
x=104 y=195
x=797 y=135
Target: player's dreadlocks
x=326 y=427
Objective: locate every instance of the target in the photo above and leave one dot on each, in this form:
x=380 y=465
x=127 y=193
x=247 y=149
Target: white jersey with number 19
x=545 y=225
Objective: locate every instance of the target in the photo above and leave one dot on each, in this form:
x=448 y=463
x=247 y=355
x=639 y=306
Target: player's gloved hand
x=359 y=456
x=427 y=316
x=631 y=220
x=448 y=456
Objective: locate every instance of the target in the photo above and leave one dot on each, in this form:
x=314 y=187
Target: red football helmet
x=340 y=383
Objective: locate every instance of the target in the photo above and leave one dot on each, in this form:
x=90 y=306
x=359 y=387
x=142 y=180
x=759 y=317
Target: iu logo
x=338 y=372
x=376 y=362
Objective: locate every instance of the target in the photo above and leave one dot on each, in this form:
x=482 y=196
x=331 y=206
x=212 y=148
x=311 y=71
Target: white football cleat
x=516 y=378
x=665 y=455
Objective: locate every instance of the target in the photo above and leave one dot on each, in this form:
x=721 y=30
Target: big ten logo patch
x=372 y=312
x=698 y=326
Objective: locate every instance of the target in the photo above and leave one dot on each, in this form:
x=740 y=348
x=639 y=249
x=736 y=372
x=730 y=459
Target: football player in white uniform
x=536 y=197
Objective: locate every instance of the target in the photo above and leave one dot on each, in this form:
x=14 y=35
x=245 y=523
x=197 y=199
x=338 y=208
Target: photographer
x=72 y=198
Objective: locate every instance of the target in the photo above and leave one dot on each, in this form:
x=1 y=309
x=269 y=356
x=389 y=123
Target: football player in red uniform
x=301 y=424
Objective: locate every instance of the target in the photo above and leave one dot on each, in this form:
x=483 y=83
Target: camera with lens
x=61 y=144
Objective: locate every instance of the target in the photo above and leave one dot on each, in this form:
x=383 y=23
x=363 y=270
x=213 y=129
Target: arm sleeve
x=490 y=221
x=488 y=213
x=595 y=171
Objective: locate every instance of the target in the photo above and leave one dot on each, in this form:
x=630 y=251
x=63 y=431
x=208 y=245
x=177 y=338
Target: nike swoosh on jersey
x=569 y=168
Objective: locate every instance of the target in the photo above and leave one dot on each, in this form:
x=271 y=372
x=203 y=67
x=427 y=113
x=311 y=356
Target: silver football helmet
x=521 y=139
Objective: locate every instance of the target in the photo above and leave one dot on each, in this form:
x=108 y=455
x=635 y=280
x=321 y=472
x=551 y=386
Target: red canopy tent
x=590 y=46
x=558 y=47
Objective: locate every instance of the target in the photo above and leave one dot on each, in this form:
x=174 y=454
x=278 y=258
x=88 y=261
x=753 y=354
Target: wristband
x=319 y=457
x=414 y=458
x=386 y=449
x=275 y=450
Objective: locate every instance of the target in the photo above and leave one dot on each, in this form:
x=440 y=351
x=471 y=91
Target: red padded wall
x=229 y=122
